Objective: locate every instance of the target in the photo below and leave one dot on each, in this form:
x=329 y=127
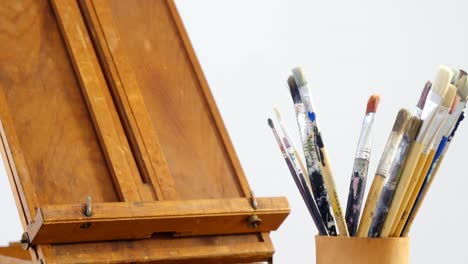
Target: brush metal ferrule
x=440 y=132
x=433 y=100
x=452 y=120
x=398 y=161
x=417 y=112
x=427 y=116
x=365 y=139
x=435 y=125
x=389 y=153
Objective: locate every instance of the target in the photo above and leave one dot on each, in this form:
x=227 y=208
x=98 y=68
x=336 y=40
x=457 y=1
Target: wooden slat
x=13 y=176
x=92 y=84
x=53 y=143
x=130 y=102
x=145 y=54
x=23 y=188
x=167 y=250
x=117 y=221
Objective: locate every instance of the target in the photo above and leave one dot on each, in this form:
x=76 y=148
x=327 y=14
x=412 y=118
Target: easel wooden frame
x=149 y=209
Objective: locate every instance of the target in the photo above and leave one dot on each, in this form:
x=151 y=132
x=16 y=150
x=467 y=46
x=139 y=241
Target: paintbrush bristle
x=373 y=103
x=294 y=90
x=442 y=80
x=412 y=129
x=455 y=102
x=401 y=121
x=277 y=113
x=424 y=93
x=449 y=96
x=299 y=76
x=462 y=87
x=270 y=123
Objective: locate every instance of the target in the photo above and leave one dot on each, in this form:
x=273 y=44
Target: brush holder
x=353 y=250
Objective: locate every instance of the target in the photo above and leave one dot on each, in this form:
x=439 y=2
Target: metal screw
x=254 y=221
x=88 y=207
x=254 y=200
x=25 y=242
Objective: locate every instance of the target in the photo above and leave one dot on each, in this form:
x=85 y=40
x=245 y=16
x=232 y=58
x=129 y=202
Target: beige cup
x=352 y=250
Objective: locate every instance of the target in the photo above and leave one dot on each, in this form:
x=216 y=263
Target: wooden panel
x=118 y=221
x=181 y=110
x=94 y=89
x=135 y=116
x=63 y=137
x=167 y=250
x=45 y=118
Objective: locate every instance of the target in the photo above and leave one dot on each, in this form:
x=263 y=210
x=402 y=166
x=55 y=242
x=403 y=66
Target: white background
x=349 y=49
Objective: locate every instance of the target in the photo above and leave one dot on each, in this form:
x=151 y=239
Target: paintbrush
x=462 y=92
x=300 y=170
x=311 y=158
x=292 y=148
x=428 y=153
x=360 y=169
x=456 y=76
x=454 y=120
x=388 y=191
x=324 y=163
x=431 y=121
x=407 y=170
x=382 y=171
x=300 y=182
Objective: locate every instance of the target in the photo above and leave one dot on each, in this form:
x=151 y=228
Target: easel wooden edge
x=139 y=220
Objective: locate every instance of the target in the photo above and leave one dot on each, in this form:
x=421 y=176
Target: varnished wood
x=11 y=260
x=119 y=221
x=165 y=249
x=132 y=107
x=10 y=169
x=150 y=58
x=93 y=87
x=14 y=250
x=210 y=101
x=54 y=147
x=151 y=132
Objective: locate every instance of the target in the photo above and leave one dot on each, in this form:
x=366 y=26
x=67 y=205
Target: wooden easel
x=114 y=146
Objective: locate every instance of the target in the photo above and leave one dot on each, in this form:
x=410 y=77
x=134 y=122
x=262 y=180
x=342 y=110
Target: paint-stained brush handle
x=300 y=182
x=356 y=194
x=331 y=187
x=361 y=165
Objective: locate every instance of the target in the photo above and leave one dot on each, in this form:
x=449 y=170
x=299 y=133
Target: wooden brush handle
x=397 y=224
x=405 y=183
x=371 y=202
x=303 y=168
x=424 y=162
x=333 y=194
x=418 y=205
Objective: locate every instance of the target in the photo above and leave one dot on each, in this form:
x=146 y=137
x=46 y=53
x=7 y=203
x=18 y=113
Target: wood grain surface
x=113 y=104
x=148 y=55
x=119 y=221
